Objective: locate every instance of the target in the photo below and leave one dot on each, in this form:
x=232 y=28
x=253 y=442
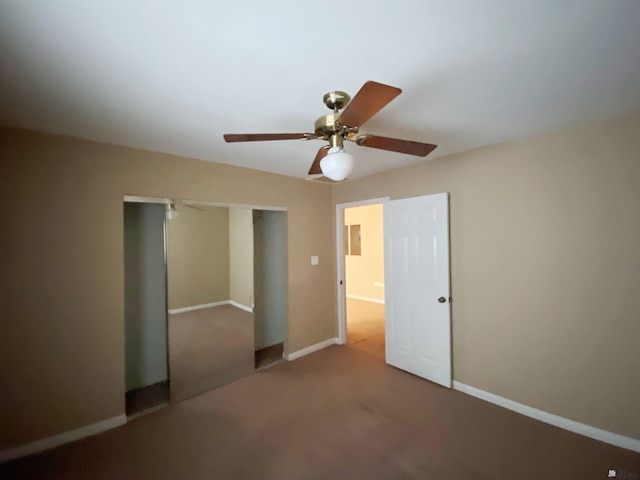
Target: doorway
x=364 y=278
x=417 y=283
x=361 y=317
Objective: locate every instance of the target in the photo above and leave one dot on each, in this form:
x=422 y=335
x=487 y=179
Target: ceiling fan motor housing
x=329 y=125
x=326 y=126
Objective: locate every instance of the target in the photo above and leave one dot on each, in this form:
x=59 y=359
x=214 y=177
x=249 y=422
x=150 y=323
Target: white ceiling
x=174 y=76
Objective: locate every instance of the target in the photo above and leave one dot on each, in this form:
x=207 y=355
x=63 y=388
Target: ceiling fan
x=331 y=160
x=172 y=210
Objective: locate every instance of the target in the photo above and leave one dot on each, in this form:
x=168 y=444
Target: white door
x=416 y=271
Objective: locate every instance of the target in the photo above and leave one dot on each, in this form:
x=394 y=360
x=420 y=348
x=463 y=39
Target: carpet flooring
x=208 y=348
x=365 y=326
x=337 y=413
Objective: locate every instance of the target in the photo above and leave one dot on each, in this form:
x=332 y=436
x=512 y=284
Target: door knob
x=442 y=300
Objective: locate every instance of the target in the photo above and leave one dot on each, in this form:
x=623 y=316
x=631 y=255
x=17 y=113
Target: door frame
x=340 y=264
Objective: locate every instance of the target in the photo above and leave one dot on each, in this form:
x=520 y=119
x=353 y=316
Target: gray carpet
x=338 y=413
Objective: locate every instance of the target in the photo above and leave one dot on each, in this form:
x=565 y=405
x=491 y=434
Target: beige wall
x=362 y=271
x=198 y=256
x=62 y=282
x=241 y=255
x=545 y=265
x=545 y=255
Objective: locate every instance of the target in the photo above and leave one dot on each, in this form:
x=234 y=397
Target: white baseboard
x=551 y=419
x=241 y=306
x=312 y=348
x=147 y=411
x=366 y=299
x=198 y=307
x=61 y=439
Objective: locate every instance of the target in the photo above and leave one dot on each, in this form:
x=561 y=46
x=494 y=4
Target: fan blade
x=261 y=137
x=315 y=166
x=395 y=145
x=369 y=100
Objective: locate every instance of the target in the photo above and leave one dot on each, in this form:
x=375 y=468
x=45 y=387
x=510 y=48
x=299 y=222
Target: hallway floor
x=365 y=326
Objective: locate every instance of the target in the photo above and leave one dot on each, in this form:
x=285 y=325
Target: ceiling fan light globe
x=337 y=165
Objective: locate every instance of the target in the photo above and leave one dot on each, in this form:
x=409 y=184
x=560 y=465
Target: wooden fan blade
x=315 y=166
x=396 y=145
x=261 y=137
x=369 y=100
